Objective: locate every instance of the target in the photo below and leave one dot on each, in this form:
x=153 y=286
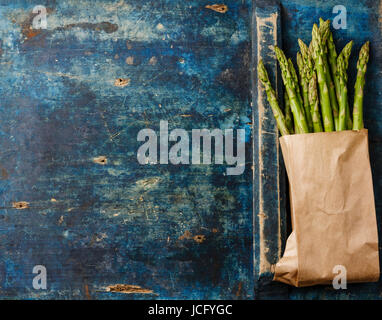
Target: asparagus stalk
x=309 y=73
x=317 y=53
x=325 y=34
x=324 y=30
x=288 y=113
x=272 y=99
x=359 y=85
x=305 y=90
x=311 y=76
x=307 y=60
x=295 y=80
x=342 y=65
x=297 y=108
x=296 y=128
x=332 y=58
x=314 y=104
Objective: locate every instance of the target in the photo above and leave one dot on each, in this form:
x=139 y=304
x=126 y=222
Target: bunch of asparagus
x=316 y=99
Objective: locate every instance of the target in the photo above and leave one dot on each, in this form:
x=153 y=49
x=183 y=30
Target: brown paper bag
x=332 y=207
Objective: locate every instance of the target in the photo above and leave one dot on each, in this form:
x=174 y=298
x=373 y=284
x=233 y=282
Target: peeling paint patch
x=121 y=82
x=87 y=294
x=130 y=60
x=160 y=26
x=199 y=238
x=20 y=205
x=239 y=288
x=100 y=160
x=4 y=173
x=100 y=237
x=186 y=235
x=147 y=183
x=153 y=61
x=127 y=288
x=221 y=8
x=101 y=26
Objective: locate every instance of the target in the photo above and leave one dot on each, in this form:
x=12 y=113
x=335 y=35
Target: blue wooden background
x=178 y=231
x=160 y=231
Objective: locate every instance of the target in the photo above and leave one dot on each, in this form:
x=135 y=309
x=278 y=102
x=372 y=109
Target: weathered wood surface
x=269 y=174
x=73 y=196
x=92 y=214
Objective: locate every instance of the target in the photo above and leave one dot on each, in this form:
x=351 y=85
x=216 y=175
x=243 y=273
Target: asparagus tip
x=363 y=55
x=263 y=76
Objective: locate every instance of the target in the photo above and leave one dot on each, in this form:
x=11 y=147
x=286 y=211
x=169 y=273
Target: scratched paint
x=266 y=28
x=269 y=183
x=74 y=198
x=73 y=98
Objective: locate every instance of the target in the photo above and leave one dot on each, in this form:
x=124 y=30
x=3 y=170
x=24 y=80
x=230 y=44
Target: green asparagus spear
x=309 y=73
x=332 y=58
x=296 y=128
x=325 y=31
x=307 y=60
x=359 y=85
x=297 y=108
x=288 y=113
x=304 y=86
x=272 y=99
x=311 y=47
x=342 y=65
x=318 y=56
x=295 y=80
x=314 y=105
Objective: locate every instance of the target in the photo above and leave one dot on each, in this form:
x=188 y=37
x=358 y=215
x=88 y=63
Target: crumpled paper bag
x=332 y=208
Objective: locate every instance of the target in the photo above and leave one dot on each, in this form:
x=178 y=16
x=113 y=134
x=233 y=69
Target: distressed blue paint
x=269 y=177
x=122 y=223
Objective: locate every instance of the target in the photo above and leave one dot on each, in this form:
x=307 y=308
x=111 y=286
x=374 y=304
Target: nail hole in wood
x=121 y=82
x=20 y=205
x=221 y=8
x=100 y=160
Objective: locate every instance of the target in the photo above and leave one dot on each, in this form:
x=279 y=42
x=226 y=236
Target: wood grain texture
x=269 y=175
x=73 y=98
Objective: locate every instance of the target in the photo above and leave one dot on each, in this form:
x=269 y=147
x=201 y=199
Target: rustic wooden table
x=73 y=97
